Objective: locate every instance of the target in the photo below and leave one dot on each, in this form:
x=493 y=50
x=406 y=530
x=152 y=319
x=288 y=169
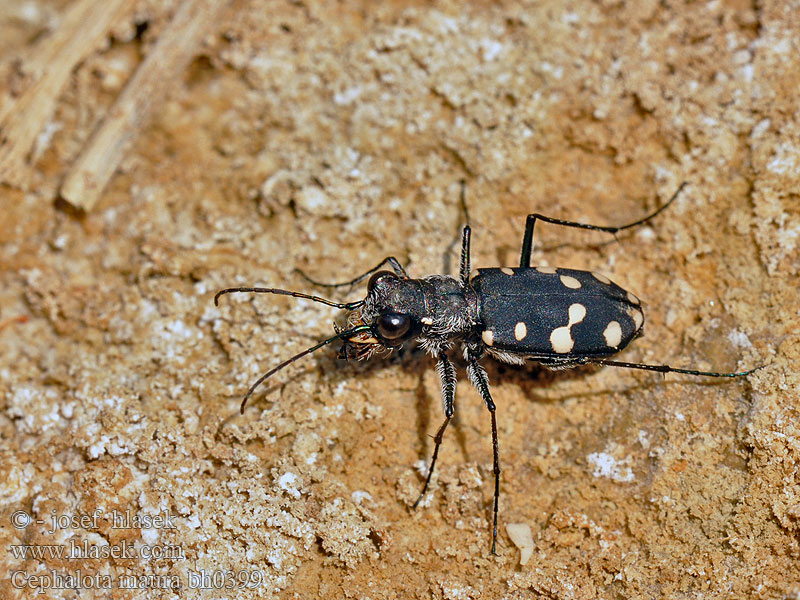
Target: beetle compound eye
x=393 y=326
x=380 y=276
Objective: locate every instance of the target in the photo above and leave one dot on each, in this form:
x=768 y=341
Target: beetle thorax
x=450 y=310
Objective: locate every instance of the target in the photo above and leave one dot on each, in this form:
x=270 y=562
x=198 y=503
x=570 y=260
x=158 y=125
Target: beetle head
x=391 y=310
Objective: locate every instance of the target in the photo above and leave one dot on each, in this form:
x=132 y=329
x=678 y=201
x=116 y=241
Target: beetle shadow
x=412 y=360
x=533 y=376
x=529 y=377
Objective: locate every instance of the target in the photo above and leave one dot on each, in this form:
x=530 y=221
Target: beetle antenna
x=256 y=290
x=344 y=334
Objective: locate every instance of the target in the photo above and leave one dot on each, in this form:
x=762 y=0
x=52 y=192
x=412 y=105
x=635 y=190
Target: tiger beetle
x=557 y=317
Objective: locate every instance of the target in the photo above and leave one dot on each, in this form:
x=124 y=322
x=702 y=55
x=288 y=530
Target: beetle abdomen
x=559 y=313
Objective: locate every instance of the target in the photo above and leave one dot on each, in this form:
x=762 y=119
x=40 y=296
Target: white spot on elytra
x=520 y=331
x=546 y=270
x=570 y=282
x=613 y=334
x=601 y=278
x=632 y=299
x=507 y=270
x=561 y=338
x=577 y=312
x=488 y=337
x=638 y=318
x=473 y=275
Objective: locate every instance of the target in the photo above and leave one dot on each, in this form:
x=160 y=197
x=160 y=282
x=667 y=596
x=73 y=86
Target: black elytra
x=555 y=316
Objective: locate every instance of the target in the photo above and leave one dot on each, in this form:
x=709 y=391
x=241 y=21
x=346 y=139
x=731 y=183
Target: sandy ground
x=325 y=136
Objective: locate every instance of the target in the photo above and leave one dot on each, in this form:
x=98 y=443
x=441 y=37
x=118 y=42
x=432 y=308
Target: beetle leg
x=465 y=256
x=465 y=237
x=448 y=374
x=478 y=377
x=527 y=238
x=666 y=368
x=391 y=260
